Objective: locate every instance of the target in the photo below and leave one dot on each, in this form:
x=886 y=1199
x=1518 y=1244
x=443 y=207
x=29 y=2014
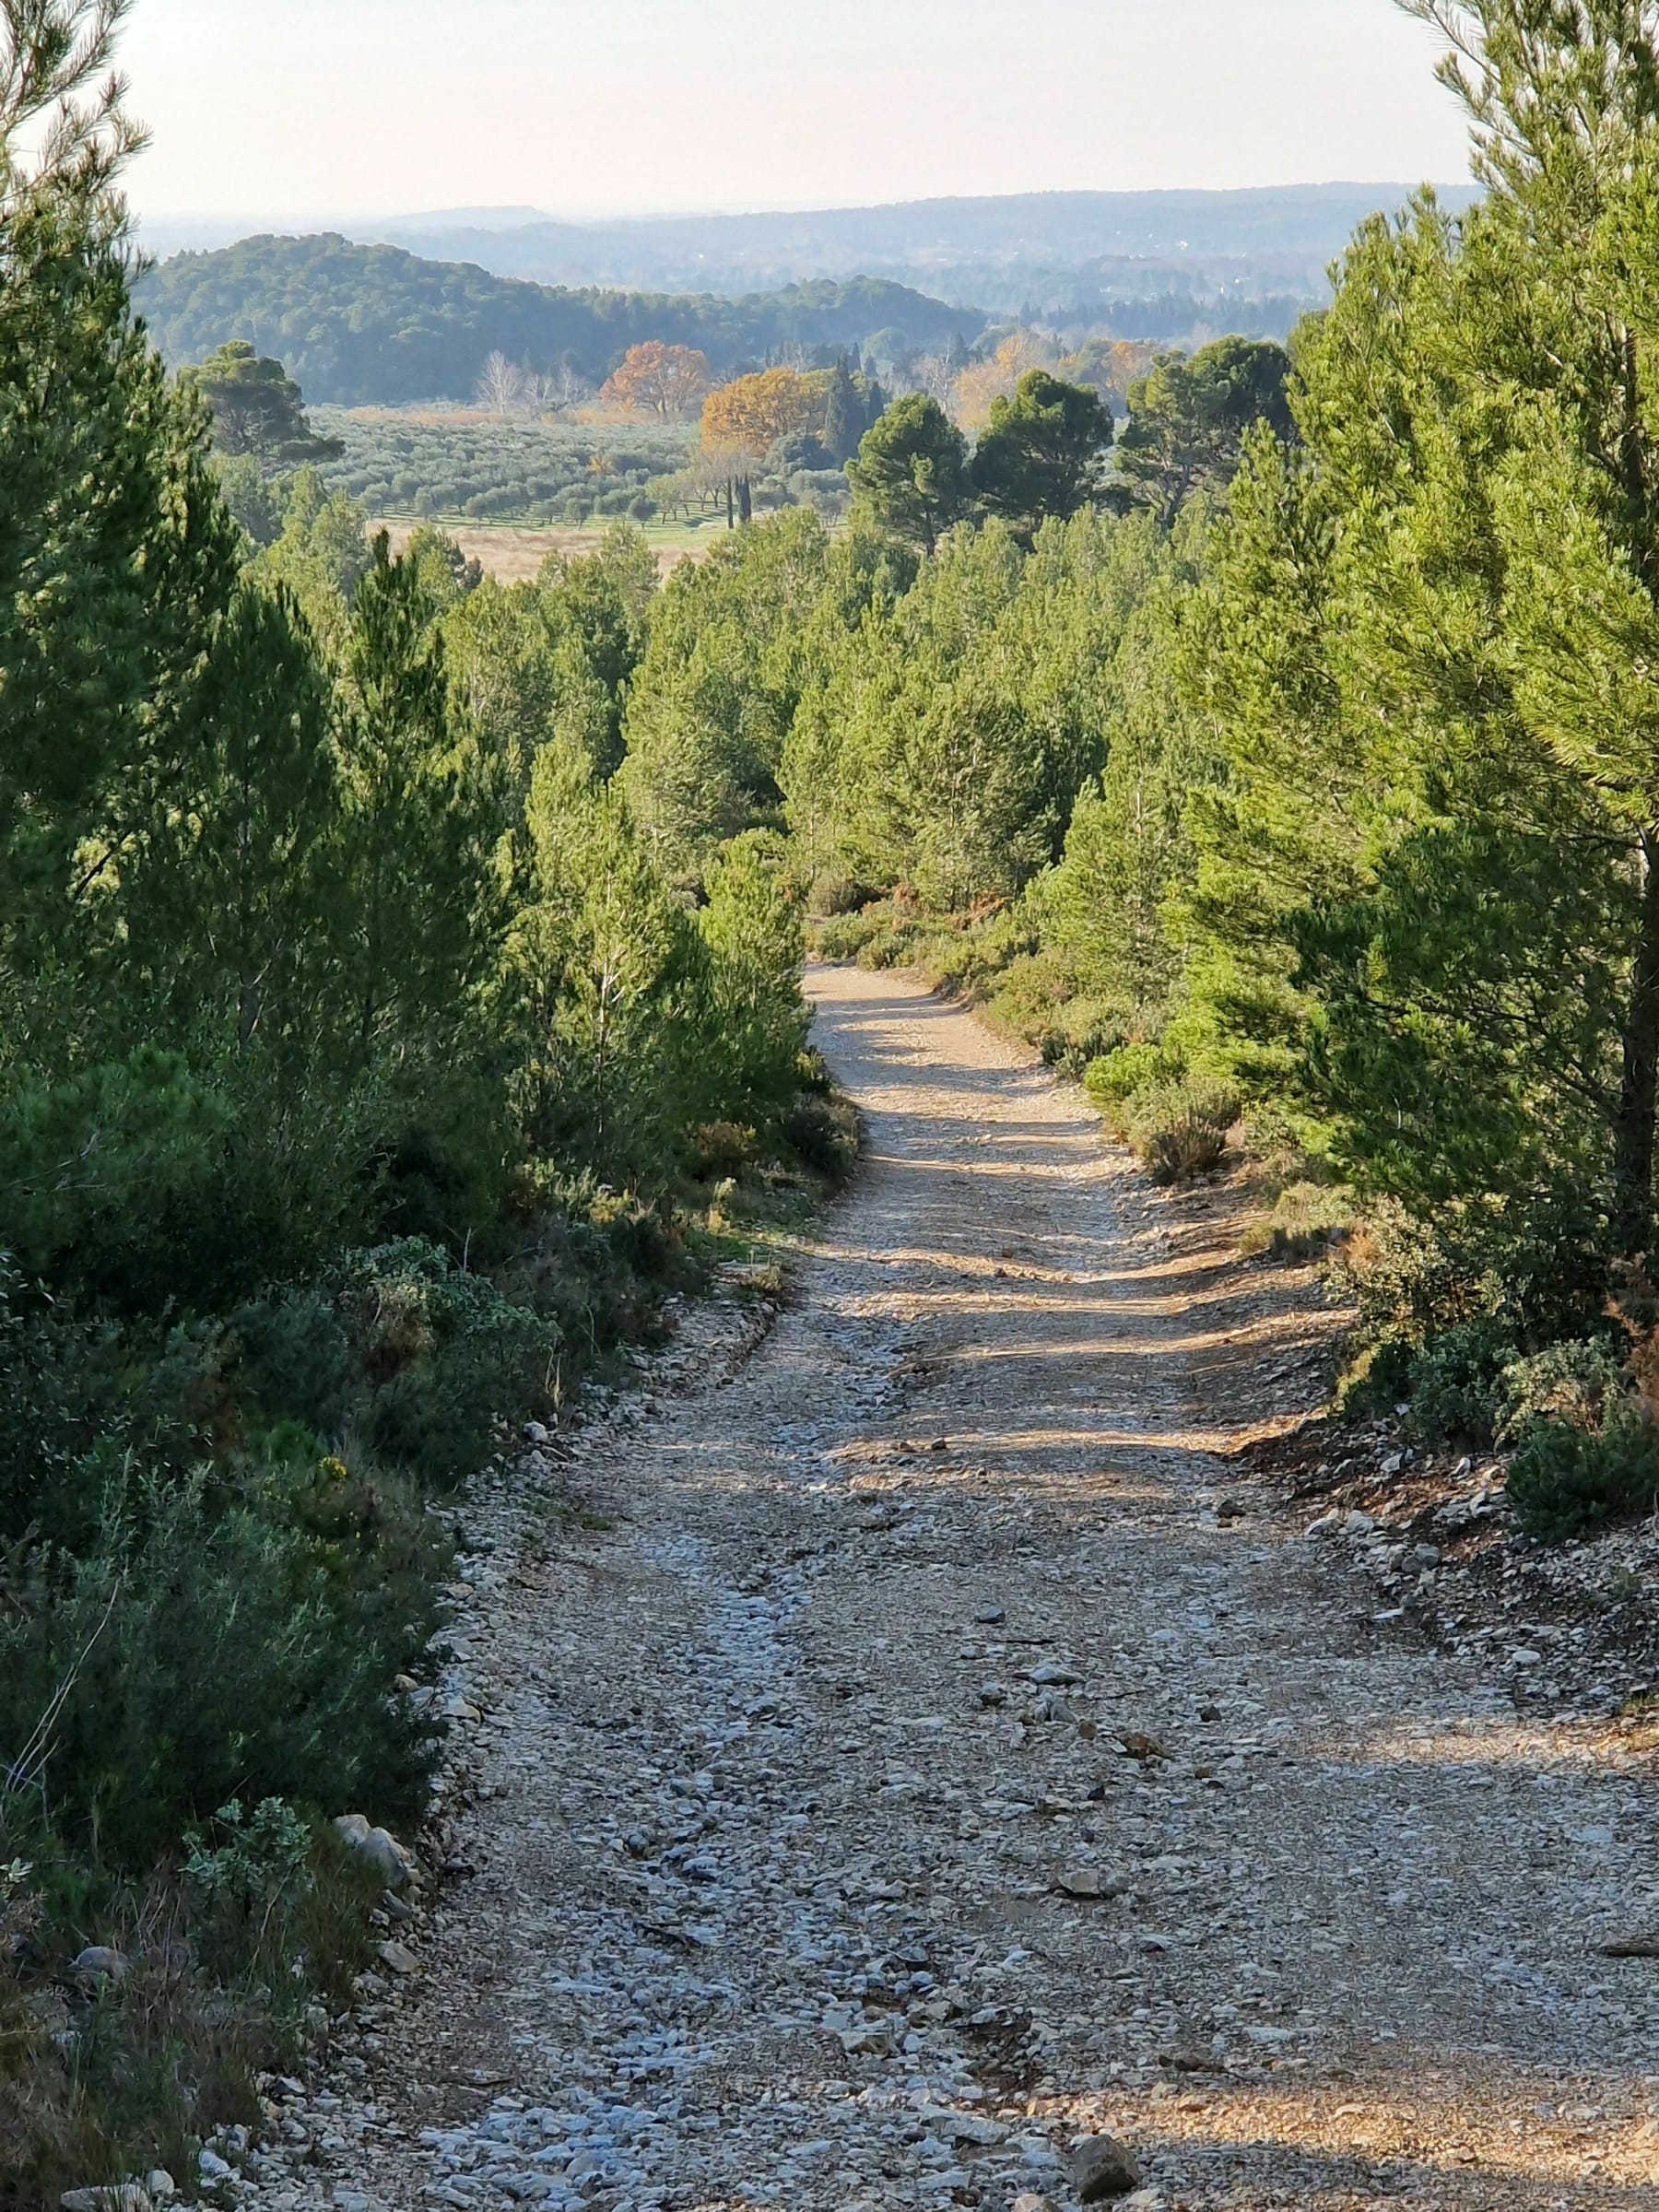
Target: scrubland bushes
x=357 y=1039
x=1288 y=786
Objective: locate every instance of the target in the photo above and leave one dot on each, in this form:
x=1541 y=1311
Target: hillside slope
x=375 y=324
x=1277 y=238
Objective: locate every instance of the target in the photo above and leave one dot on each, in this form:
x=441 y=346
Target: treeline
x=364 y=1078
x=372 y=326
x=1313 y=796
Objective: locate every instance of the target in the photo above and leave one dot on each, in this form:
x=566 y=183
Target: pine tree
x=910 y=471
x=229 y=899
x=728 y=658
x=844 y=422
x=1189 y=419
x=420 y=821
x=613 y=983
x=753 y=929
x=117 y=557
x=258 y=411
x=1420 y=898
x=1042 y=452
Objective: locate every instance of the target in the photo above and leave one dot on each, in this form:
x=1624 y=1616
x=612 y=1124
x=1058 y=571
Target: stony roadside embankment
x=1572 y=1628
x=927 y=1757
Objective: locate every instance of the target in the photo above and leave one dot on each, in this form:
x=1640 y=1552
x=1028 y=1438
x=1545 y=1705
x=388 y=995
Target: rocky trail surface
x=941 y=1756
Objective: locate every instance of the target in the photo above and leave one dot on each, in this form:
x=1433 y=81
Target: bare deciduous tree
x=501 y=386
x=559 y=388
x=932 y=373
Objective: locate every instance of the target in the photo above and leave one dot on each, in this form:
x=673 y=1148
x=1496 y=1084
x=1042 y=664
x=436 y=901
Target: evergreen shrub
x=448 y=1356
x=1113 y=1080
x=1566 y=1481
x=199 y=1649
x=1454 y=1381
x=1179 y=1129
x=1580 y=1383
x=822 y=1133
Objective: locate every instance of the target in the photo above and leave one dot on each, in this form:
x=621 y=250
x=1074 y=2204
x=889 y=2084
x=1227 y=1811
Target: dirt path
x=784 y=1772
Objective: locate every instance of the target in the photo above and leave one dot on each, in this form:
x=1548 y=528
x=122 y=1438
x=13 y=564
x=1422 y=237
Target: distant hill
x=368 y=324
x=995 y=251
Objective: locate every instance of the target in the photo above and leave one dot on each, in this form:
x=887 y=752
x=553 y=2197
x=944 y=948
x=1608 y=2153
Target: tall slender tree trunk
x=1638 y=1091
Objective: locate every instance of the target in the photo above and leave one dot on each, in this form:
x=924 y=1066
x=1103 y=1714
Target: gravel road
x=940 y=1757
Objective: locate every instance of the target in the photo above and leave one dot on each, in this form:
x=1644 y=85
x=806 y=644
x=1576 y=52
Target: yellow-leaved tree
x=754 y=412
x=743 y=421
x=669 y=382
x=983 y=382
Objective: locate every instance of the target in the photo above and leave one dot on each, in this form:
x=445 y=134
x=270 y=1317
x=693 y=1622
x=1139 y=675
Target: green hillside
x=366 y=325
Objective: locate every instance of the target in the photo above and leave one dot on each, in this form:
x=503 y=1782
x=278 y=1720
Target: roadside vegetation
x=366 y=1081
x=402 y=971
x=1292 y=784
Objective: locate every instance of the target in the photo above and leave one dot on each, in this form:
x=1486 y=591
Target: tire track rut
x=921 y=1773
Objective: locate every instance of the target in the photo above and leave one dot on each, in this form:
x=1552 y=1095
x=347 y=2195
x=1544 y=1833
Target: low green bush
x=277 y=1907
x=201 y=1649
x=448 y=1358
x=1113 y=1080
x=892 y=946
x=1454 y=1381
x=1179 y=1129
x=596 y=1263
x=1082 y=1033
x=1580 y=1382
x=1308 y=1216
x=1566 y=1481
x=835 y=896
x=294 y=1359
x=822 y=1133
x=890 y=934
x=720 y=1148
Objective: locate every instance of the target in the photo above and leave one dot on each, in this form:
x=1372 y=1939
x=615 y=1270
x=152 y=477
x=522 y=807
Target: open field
x=514 y=555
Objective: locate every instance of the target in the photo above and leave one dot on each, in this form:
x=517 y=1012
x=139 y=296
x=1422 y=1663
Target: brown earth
x=944 y=1754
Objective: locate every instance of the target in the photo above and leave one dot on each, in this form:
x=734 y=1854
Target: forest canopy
x=374 y=326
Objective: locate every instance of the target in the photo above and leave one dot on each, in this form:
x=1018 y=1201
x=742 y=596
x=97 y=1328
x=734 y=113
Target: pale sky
x=311 y=107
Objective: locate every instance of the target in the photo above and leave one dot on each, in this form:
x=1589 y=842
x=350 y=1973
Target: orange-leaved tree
x=753 y=412
x=655 y=379
x=1110 y=366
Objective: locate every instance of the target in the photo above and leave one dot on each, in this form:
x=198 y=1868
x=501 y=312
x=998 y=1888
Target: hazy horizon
x=492 y=215
x=426 y=106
